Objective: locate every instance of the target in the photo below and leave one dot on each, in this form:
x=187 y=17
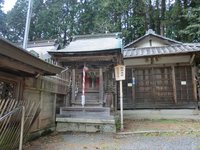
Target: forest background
x=61 y=19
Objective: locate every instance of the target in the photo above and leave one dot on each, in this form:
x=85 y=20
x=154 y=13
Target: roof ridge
x=100 y=35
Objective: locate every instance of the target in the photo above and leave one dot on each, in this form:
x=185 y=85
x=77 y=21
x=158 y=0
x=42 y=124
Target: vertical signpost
x=119 y=76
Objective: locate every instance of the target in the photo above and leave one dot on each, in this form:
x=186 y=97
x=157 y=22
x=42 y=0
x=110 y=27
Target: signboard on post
x=120 y=72
x=119 y=76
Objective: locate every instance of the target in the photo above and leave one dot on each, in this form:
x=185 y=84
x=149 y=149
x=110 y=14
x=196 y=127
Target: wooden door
x=152 y=88
x=91 y=85
x=184 y=86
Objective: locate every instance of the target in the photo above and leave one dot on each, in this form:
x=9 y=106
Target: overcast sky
x=8 y=5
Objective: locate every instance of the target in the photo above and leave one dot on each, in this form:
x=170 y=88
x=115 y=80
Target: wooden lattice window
x=7 y=89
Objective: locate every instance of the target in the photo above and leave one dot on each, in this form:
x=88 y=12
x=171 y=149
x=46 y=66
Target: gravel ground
x=83 y=141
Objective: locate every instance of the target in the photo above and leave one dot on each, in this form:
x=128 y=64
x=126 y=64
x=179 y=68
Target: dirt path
x=82 y=141
x=185 y=138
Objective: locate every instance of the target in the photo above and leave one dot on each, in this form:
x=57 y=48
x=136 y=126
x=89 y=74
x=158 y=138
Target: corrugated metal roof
x=164 y=50
x=97 y=42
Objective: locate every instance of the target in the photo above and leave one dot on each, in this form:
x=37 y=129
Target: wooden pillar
x=41 y=101
x=73 y=86
x=101 y=92
x=174 y=84
x=133 y=86
x=194 y=83
x=54 y=107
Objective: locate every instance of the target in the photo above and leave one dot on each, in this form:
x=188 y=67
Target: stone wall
x=42 y=93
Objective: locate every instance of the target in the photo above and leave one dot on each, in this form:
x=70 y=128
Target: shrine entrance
x=92 y=86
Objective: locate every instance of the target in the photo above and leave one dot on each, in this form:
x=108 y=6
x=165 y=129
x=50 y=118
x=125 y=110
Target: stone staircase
x=85 y=119
x=91 y=99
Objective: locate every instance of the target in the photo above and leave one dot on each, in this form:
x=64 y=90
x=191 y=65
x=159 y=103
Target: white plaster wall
x=146 y=43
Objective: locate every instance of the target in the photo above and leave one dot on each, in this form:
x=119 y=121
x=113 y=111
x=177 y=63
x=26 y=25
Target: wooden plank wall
x=45 y=91
x=160 y=87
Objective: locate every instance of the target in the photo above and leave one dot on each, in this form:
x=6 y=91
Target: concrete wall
x=42 y=94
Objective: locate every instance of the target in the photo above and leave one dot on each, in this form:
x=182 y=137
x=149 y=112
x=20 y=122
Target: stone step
x=90 y=95
x=87 y=103
x=85 y=111
x=86 y=124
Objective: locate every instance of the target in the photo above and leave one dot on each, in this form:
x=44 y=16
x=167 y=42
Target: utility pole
x=28 y=20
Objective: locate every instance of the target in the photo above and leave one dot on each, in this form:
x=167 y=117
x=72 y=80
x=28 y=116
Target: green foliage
x=16 y=19
x=192 y=32
x=61 y=19
x=2 y=20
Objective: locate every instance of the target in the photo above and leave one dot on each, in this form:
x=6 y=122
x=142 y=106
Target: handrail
x=22 y=122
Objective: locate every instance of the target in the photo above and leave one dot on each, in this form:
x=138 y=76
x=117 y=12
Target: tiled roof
x=164 y=50
x=87 y=43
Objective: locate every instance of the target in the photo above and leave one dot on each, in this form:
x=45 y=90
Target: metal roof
x=89 y=43
x=150 y=32
x=163 y=50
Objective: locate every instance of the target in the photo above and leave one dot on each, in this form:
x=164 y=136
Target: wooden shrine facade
x=99 y=53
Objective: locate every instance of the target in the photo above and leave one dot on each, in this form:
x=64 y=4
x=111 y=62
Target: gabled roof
x=19 y=61
x=92 y=43
x=150 y=33
x=164 y=50
x=42 y=47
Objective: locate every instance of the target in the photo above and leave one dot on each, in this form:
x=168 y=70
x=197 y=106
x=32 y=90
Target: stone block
x=108 y=128
x=92 y=128
x=62 y=127
x=82 y=127
x=73 y=127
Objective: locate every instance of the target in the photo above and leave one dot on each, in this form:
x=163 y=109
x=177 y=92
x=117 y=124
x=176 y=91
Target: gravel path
x=84 y=141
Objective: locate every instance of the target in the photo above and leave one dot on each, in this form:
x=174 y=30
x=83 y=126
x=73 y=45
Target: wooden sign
x=120 y=72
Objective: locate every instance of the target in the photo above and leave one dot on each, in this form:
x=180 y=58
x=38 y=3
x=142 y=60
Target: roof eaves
x=179 y=49
x=22 y=53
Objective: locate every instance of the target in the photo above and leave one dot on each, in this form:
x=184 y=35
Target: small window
x=150 y=42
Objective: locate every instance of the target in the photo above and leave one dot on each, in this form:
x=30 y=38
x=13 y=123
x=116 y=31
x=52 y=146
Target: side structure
x=24 y=81
x=161 y=73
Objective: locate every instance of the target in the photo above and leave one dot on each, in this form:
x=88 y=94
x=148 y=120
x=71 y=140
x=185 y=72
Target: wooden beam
x=174 y=84
x=194 y=83
x=192 y=58
x=85 y=58
x=15 y=65
x=158 y=65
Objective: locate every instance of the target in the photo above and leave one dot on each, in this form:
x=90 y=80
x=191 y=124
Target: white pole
x=121 y=106
x=83 y=88
x=28 y=20
x=22 y=128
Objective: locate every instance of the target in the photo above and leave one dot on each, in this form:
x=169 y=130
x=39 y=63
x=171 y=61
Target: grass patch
x=118 y=124
x=167 y=121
